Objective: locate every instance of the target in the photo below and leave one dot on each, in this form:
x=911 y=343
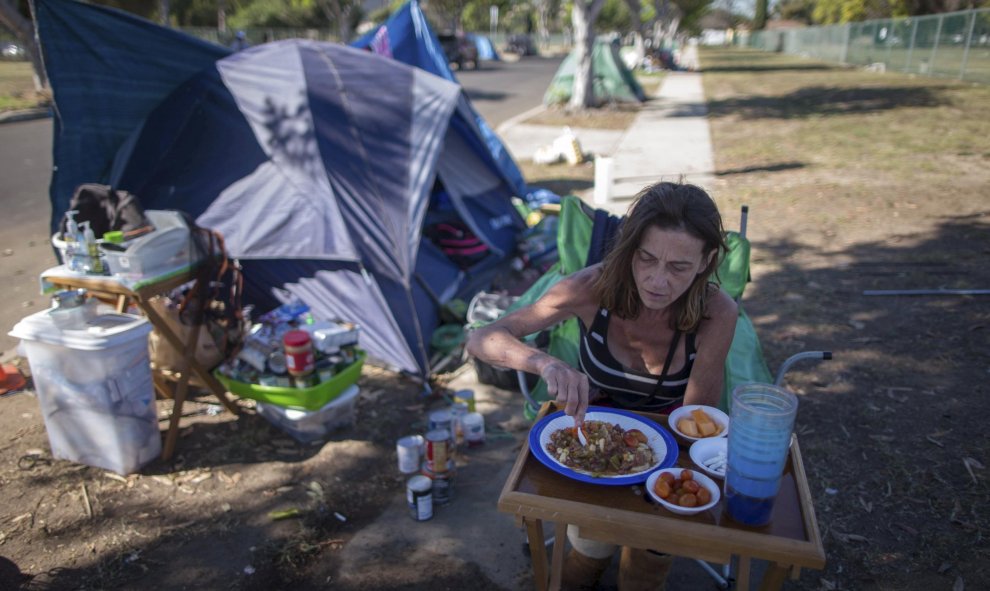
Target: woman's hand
x=569 y=386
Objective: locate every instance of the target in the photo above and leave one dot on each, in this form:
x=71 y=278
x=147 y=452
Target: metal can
x=474 y=429
x=324 y=369
x=441 y=419
x=443 y=482
x=419 y=497
x=409 y=449
x=438 y=448
x=467 y=397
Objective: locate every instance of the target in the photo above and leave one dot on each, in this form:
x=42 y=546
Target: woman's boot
x=643 y=570
x=581 y=571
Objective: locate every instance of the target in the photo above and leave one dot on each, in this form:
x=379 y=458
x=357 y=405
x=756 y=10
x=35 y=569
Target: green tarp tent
x=613 y=81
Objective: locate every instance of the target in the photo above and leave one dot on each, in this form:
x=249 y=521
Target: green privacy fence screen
x=951 y=44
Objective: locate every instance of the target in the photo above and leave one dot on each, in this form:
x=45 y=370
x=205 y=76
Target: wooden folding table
x=618 y=515
x=140 y=292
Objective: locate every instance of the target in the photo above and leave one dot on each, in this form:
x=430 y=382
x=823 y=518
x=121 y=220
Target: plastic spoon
x=580 y=434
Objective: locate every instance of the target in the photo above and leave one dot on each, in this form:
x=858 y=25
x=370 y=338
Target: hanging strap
x=663 y=374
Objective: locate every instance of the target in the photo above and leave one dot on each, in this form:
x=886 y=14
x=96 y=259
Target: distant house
x=717 y=27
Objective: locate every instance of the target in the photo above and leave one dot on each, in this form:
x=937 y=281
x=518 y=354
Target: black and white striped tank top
x=623 y=385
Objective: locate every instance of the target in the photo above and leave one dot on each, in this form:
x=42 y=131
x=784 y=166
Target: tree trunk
x=23 y=29
x=163 y=9
x=338 y=11
x=583 y=15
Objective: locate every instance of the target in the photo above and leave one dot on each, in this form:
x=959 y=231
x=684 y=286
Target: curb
x=25 y=115
x=517 y=119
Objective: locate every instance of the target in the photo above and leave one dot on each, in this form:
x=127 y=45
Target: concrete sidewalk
x=669 y=140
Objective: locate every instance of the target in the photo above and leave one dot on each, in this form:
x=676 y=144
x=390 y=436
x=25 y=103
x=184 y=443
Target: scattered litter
x=958 y=585
x=225 y=507
x=831 y=491
x=339 y=516
x=213 y=410
x=844 y=538
x=86 y=503
x=565 y=148
x=971 y=463
x=132 y=557
x=286 y=514
x=249 y=570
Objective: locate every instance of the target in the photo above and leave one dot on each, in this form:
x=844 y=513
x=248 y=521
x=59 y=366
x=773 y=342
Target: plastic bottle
x=92 y=250
x=71 y=227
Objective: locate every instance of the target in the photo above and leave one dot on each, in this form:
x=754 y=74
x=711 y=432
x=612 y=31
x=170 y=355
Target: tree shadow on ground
x=486 y=95
x=562 y=186
x=827 y=100
x=896 y=408
x=778 y=167
x=749 y=67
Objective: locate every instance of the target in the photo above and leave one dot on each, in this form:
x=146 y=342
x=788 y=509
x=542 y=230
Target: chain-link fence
x=952 y=44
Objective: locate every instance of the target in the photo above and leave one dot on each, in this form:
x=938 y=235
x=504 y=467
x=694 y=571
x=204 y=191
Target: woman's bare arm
x=713 y=342
x=500 y=343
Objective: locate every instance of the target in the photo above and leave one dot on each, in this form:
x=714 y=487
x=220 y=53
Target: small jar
x=299 y=353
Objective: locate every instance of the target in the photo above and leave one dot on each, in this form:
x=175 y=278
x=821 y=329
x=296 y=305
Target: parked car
x=459 y=50
x=521 y=45
x=11 y=51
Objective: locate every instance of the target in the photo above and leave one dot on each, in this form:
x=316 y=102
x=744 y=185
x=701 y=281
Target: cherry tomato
x=688 y=500
x=704 y=497
x=662 y=488
x=667 y=476
x=673 y=499
x=687 y=475
x=629 y=439
x=691 y=486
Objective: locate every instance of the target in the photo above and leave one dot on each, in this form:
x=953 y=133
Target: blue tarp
x=317 y=162
x=406 y=36
x=108 y=69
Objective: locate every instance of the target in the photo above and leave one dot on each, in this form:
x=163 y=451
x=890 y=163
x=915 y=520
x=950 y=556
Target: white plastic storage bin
x=306 y=426
x=94 y=388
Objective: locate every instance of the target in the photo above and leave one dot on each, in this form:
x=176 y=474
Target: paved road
x=499 y=91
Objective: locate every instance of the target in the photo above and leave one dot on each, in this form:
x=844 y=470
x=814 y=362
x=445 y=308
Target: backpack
x=108 y=209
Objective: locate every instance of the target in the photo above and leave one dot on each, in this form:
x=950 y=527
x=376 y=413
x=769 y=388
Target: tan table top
x=625 y=515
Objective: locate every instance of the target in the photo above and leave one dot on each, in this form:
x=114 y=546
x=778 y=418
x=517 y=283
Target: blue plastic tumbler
x=762 y=419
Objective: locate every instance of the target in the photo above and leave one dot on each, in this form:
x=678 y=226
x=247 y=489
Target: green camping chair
x=582 y=232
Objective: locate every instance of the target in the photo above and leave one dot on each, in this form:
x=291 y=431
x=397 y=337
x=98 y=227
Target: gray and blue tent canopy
x=407 y=37
x=317 y=162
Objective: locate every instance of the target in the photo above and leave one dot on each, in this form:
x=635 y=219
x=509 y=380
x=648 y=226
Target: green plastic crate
x=313 y=398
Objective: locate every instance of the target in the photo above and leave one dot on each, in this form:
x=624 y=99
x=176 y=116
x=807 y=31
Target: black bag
x=108 y=209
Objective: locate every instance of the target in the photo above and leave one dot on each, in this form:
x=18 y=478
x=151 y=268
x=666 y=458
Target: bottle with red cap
x=299 y=353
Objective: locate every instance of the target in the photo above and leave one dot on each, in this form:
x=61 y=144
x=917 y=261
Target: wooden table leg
x=774 y=578
x=537 y=552
x=214 y=385
x=557 y=560
x=742 y=577
x=181 y=389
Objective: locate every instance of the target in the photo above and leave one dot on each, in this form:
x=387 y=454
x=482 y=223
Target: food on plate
x=699 y=424
x=683 y=491
x=611 y=450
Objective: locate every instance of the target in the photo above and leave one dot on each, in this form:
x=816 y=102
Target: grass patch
x=17 y=87
x=562 y=179
x=618 y=116
x=790 y=130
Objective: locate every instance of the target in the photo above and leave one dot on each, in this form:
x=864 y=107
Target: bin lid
x=102 y=332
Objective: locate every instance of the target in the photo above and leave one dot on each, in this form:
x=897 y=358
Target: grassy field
x=17 y=87
x=856 y=182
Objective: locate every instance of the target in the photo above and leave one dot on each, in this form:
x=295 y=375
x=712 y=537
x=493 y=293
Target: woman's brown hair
x=667 y=206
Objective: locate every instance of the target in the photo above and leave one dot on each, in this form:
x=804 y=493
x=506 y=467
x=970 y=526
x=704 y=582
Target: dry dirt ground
x=893 y=430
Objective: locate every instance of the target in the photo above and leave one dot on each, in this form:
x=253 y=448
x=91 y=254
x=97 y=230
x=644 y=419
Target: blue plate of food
x=623 y=447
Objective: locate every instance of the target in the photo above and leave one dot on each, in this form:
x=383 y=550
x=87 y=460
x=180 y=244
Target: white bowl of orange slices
x=697 y=421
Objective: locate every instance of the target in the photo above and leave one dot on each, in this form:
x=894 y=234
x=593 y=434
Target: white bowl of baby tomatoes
x=683 y=491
